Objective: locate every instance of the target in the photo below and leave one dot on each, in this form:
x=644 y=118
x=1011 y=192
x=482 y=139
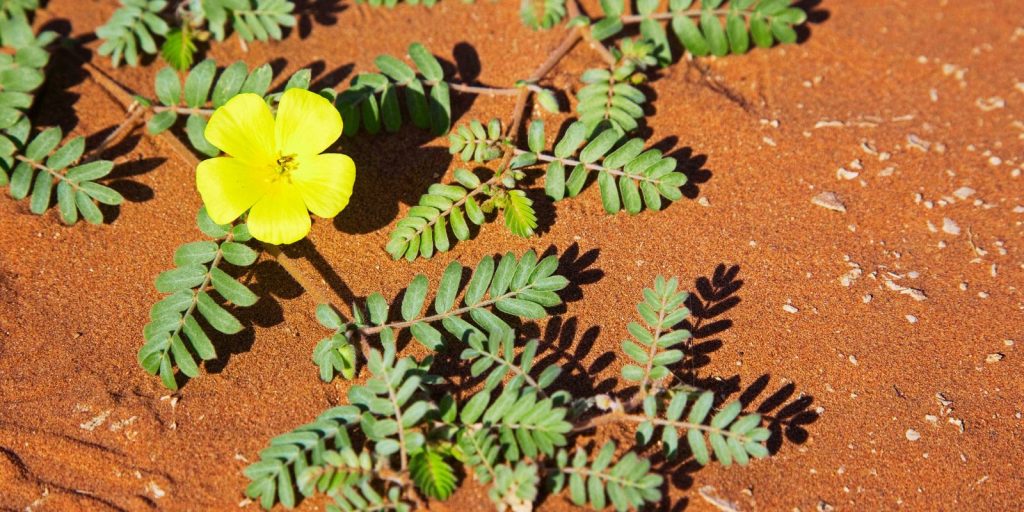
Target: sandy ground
x=883 y=342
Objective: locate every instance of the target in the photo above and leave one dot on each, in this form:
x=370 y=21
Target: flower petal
x=244 y=129
x=280 y=217
x=230 y=186
x=306 y=124
x=325 y=182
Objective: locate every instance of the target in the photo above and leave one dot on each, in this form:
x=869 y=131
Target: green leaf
x=66 y=203
x=440 y=108
x=218 y=317
x=230 y=83
x=689 y=35
x=519 y=215
x=178 y=50
x=195 y=129
x=198 y=83
x=521 y=308
x=43 y=144
x=448 y=288
x=426 y=62
x=415 y=294
x=536 y=136
x=231 y=289
x=67 y=153
x=41 y=193
x=90 y=171
x=736 y=29
x=396 y=69
x=195 y=253
x=698 y=447
x=238 y=254
x=161 y=122
x=101 y=193
x=714 y=33
x=701 y=407
x=181 y=278
x=87 y=208
x=432 y=475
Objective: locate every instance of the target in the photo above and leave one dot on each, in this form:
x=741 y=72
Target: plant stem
x=692 y=13
x=623 y=417
x=563 y=48
x=489 y=91
x=135 y=112
x=371 y=330
x=653 y=350
x=601 y=49
x=41 y=167
x=183 y=110
x=593 y=167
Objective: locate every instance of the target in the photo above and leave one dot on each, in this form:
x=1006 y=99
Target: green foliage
x=433 y=475
x=469 y=200
x=654 y=347
x=131 y=30
x=626 y=484
x=514 y=434
x=714 y=27
x=628 y=176
x=136 y=27
x=496 y=353
x=203 y=87
x=733 y=437
x=335 y=353
x=610 y=98
x=317 y=456
x=179 y=49
x=187 y=287
x=525 y=424
x=259 y=20
x=10 y=9
x=541 y=14
x=372 y=99
x=43 y=166
x=23 y=56
x=515 y=487
x=390 y=410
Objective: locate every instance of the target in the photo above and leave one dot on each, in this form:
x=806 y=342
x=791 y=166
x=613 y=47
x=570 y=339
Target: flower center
x=285 y=165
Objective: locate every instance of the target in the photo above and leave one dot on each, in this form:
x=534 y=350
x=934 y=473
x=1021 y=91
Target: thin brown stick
x=488 y=91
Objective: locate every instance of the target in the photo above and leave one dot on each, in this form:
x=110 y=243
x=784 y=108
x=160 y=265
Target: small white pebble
x=844 y=174
x=913 y=435
x=949 y=226
x=912 y=319
x=830 y=201
x=789 y=308
x=867 y=298
x=995 y=161
x=963 y=193
x=994 y=358
x=983 y=295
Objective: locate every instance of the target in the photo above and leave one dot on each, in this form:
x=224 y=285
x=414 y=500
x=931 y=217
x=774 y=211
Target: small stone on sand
x=830 y=201
x=949 y=226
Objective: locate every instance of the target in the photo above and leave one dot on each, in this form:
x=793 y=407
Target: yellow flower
x=274 y=168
